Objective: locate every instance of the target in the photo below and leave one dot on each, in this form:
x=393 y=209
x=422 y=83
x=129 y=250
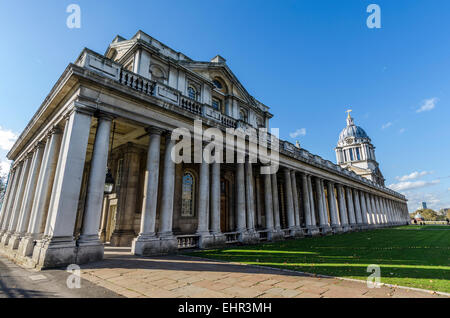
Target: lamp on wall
x=109 y=180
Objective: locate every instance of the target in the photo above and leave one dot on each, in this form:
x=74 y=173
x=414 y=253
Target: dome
x=352 y=131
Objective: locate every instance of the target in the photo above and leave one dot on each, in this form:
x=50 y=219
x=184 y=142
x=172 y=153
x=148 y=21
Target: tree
x=2 y=187
x=429 y=215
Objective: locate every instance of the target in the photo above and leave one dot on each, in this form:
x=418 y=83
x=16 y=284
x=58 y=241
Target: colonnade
x=38 y=215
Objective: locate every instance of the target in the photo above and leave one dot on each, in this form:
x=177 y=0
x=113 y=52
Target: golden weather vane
x=348 y=112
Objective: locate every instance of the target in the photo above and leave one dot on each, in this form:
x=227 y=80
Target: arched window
x=243 y=115
x=192 y=93
x=188 y=194
x=218 y=84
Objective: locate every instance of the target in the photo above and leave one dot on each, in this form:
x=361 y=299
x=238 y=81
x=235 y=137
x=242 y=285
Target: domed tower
x=355 y=152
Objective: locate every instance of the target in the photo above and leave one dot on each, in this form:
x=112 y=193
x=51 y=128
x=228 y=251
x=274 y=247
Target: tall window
x=358 y=156
x=187 y=197
x=350 y=151
x=243 y=115
x=216 y=104
x=192 y=93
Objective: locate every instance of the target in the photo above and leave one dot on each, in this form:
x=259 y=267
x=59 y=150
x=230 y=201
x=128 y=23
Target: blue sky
x=307 y=60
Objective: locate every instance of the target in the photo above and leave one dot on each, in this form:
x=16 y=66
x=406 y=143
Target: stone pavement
x=186 y=277
x=17 y=282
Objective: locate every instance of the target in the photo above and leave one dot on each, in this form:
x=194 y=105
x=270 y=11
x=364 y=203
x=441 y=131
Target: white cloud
x=4 y=167
x=402 y=130
x=387 y=125
x=428 y=104
x=298 y=132
x=408 y=185
x=413 y=175
x=7 y=138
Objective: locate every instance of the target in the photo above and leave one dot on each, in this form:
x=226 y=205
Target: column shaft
x=96 y=183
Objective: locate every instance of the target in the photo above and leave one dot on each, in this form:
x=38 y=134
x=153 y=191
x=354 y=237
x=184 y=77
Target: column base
x=312 y=231
x=336 y=228
x=122 y=238
x=249 y=237
x=154 y=245
x=5 y=239
x=205 y=240
x=345 y=228
x=325 y=230
x=54 y=252
x=297 y=232
x=90 y=249
x=14 y=241
x=276 y=235
x=26 y=245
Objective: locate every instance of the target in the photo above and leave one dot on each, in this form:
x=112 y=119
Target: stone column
x=378 y=215
x=203 y=206
x=314 y=230
x=145 y=241
x=250 y=197
x=390 y=217
x=296 y=205
x=219 y=238
x=268 y=204
x=258 y=201
x=357 y=204
x=289 y=200
x=43 y=191
x=89 y=246
x=28 y=197
x=369 y=210
x=333 y=209
x=350 y=208
x=374 y=210
x=9 y=202
x=59 y=248
x=381 y=210
x=276 y=205
x=363 y=210
x=342 y=208
x=326 y=228
x=306 y=203
x=241 y=226
x=10 y=221
x=319 y=196
x=7 y=198
x=167 y=195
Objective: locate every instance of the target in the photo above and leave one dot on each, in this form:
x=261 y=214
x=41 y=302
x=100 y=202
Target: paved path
x=182 y=276
x=16 y=282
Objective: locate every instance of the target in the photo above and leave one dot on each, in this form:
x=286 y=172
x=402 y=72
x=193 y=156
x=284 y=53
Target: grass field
x=414 y=256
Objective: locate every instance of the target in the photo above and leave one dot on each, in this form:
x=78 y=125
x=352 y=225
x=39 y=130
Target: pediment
x=222 y=73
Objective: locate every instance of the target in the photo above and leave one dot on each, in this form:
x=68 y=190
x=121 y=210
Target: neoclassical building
x=94 y=166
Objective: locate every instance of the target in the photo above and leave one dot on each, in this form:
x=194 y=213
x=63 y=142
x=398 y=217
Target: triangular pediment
x=218 y=70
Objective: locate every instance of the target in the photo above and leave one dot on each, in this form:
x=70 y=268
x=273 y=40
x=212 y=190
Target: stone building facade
x=115 y=112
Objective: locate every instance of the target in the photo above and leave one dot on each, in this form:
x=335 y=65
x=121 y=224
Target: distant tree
x=429 y=215
x=2 y=187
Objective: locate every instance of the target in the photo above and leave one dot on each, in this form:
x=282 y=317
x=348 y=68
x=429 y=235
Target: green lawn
x=414 y=256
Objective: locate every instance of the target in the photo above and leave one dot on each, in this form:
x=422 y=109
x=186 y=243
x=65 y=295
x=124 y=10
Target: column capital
x=104 y=116
x=152 y=130
x=39 y=144
x=55 y=130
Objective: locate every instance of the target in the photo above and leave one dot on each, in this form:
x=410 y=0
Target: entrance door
x=223 y=205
